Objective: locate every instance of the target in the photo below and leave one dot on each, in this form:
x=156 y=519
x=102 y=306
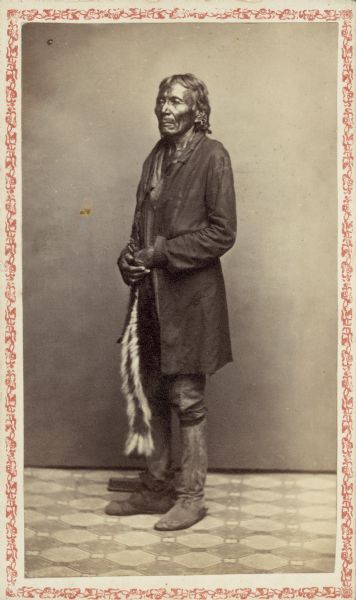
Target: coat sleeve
x=194 y=250
x=135 y=229
x=134 y=242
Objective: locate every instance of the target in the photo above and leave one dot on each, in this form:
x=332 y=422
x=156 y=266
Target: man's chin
x=167 y=132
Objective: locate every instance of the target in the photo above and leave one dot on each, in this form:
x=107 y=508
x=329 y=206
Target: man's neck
x=178 y=144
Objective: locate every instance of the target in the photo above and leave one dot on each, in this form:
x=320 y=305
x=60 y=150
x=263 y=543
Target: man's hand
x=131 y=268
x=145 y=257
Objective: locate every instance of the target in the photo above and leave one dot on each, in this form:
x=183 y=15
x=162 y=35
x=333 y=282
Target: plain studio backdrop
x=88 y=93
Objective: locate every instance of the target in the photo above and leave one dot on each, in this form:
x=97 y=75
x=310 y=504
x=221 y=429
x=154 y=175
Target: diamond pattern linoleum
x=270 y=523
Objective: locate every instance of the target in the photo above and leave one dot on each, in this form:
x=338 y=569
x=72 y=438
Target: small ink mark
x=86 y=211
x=50 y=42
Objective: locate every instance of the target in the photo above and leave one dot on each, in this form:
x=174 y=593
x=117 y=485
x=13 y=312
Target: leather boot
x=156 y=494
x=159 y=473
x=189 y=508
x=144 y=502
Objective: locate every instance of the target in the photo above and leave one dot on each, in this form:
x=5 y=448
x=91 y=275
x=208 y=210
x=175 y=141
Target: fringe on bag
x=139 y=438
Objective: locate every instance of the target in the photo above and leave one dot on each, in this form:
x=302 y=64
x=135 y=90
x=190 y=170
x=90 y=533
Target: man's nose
x=165 y=108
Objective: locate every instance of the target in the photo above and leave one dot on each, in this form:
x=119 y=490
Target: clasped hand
x=134 y=266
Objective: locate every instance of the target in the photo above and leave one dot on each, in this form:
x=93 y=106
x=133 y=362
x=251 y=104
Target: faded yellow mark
x=86 y=211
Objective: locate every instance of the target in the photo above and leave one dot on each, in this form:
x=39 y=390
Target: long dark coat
x=192 y=224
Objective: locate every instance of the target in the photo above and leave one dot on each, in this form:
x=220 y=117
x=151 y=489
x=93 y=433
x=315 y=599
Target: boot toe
x=118 y=509
x=145 y=502
x=180 y=518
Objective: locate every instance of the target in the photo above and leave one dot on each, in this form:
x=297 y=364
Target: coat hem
x=194 y=370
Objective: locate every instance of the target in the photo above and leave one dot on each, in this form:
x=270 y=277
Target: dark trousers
x=185 y=395
x=182 y=393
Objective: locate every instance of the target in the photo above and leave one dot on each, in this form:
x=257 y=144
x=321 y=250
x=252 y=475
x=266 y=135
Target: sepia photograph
x=180 y=260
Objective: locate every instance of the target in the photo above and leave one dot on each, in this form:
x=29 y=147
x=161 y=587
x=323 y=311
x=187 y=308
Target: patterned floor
x=257 y=523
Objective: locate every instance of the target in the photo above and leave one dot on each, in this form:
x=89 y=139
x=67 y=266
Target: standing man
x=177 y=329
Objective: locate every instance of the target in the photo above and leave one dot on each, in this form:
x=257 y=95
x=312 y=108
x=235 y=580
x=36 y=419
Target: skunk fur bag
x=139 y=364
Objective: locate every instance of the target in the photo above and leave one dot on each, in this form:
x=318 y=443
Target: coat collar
x=186 y=153
x=176 y=163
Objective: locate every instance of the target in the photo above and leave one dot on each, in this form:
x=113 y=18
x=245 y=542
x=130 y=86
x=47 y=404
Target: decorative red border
x=15 y=19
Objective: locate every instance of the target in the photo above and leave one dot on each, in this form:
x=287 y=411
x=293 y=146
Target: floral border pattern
x=18 y=17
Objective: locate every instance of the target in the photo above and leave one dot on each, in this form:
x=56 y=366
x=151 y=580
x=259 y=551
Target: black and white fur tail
x=139 y=438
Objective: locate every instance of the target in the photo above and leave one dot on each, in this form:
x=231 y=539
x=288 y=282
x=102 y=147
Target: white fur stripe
x=143 y=444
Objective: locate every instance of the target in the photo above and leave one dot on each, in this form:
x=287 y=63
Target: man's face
x=175 y=110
